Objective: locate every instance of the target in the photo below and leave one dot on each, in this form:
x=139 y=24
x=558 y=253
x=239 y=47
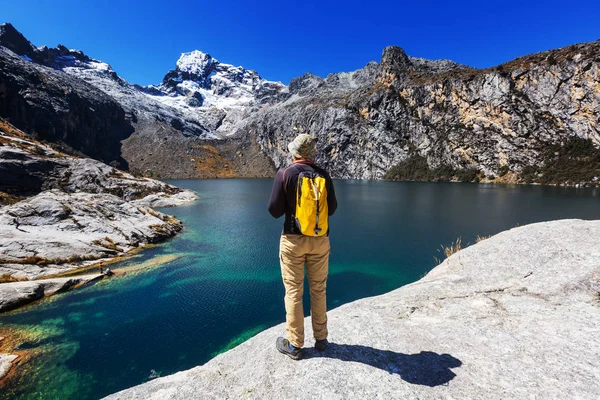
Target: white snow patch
x=195 y=62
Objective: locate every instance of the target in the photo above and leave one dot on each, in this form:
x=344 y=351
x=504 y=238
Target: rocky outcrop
x=519 y=121
x=62 y=109
x=54 y=232
x=178 y=129
x=28 y=167
x=17 y=294
x=163 y=152
x=205 y=79
x=514 y=316
x=14 y=40
x=73 y=211
x=6 y=361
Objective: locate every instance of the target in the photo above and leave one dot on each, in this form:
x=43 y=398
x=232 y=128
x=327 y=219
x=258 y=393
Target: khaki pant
x=294 y=252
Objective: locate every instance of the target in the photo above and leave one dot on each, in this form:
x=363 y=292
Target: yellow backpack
x=311 y=204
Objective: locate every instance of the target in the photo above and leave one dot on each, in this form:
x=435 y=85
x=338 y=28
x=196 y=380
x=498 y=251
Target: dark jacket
x=283 y=196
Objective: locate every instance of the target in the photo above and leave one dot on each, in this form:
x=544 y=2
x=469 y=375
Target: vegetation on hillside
x=576 y=161
x=415 y=168
x=573 y=162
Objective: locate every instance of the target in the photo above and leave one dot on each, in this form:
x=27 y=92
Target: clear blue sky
x=142 y=40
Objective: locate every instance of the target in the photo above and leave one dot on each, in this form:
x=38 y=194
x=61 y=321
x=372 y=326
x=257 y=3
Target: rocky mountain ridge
x=140 y=120
x=402 y=118
x=492 y=121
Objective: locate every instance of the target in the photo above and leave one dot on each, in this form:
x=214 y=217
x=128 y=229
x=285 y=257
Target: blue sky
x=142 y=40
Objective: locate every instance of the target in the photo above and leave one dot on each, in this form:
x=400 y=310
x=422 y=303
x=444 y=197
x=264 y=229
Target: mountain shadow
x=425 y=368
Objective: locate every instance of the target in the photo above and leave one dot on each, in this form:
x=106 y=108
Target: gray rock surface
x=82 y=210
x=6 y=363
x=56 y=232
x=514 y=316
x=27 y=167
x=161 y=199
x=494 y=120
x=17 y=294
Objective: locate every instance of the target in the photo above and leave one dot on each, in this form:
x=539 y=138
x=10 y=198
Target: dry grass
x=163 y=229
x=211 y=164
x=5 y=278
x=10 y=130
x=480 y=238
x=9 y=199
x=153 y=213
x=449 y=250
x=457 y=246
x=364 y=112
x=376 y=87
x=453 y=248
x=29 y=145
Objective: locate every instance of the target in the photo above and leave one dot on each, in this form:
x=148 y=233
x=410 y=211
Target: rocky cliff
x=455 y=118
x=514 y=316
x=67 y=98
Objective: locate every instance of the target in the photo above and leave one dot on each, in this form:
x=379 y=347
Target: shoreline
x=497 y=181
x=18 y=292
x=12 y=337
x=55 y=234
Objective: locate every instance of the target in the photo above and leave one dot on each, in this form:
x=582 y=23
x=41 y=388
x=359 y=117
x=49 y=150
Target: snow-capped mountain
x=208 y=82
x=401 y=114
x=200 y=82
x=201 y=97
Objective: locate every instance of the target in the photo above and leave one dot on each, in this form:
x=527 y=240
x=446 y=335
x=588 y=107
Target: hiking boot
x=285 y=347
x=321 y=345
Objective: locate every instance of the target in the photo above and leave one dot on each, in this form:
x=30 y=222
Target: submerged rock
x=514 y=316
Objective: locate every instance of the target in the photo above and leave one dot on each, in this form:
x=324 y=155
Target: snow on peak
x=195 y=62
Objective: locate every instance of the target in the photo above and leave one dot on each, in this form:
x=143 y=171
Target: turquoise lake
x=218 y=282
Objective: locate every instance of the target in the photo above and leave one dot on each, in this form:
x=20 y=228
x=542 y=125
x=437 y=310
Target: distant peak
x=395 y=59
x=195 y=62
x=13 y=40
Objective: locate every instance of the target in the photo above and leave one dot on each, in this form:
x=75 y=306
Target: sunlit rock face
x=502 y=117
x=158 y=130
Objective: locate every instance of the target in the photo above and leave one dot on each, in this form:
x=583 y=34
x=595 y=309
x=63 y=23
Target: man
x=297 y=250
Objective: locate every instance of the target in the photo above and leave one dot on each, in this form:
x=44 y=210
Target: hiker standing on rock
x=304 y=193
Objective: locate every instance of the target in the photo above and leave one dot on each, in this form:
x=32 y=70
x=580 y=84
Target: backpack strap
x=295 y=163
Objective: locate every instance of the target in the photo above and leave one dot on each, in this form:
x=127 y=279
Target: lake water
x=218 y=283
